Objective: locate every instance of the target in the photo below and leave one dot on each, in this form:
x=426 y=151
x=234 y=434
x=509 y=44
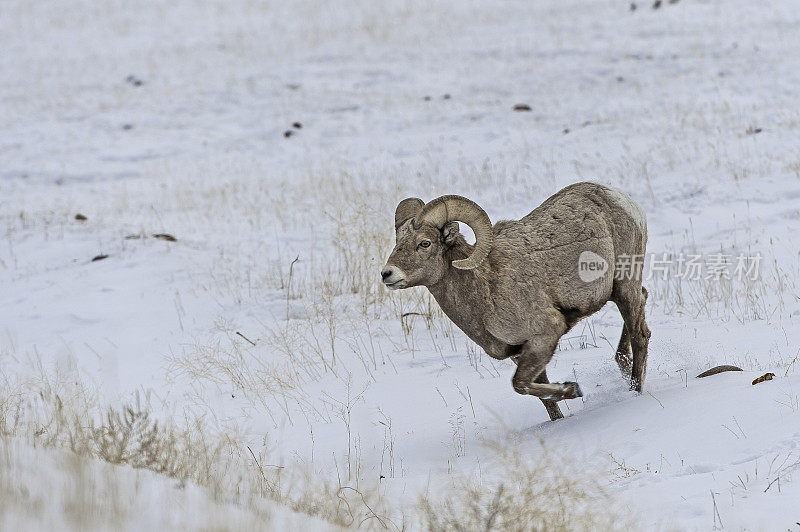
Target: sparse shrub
x=536 y=491
x=53 y=415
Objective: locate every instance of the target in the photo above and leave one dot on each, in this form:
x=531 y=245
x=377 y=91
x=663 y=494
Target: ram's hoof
x=572 y=390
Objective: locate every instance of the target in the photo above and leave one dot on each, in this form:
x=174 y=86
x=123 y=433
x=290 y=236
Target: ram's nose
x=393 y=277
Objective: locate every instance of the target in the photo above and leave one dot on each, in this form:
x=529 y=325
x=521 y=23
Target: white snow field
x=291 y=389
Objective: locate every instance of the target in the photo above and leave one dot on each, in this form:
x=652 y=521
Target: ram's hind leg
x=623 y=355
x=631 y=298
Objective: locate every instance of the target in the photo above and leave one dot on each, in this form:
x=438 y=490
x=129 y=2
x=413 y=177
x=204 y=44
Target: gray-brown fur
x=527 y=292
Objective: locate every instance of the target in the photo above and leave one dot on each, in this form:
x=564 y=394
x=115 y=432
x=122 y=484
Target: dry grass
x=58 y=490
x=740 y=298
x=537 y=492
x=57 y=414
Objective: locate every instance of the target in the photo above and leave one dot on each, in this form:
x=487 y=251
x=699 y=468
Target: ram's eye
x=425 y=244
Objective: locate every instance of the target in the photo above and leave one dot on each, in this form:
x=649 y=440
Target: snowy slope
x=153 y=118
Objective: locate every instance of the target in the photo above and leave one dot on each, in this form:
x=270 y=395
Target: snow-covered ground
x=266 y=321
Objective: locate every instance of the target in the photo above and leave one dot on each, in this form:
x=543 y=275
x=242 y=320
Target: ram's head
x=425 y=232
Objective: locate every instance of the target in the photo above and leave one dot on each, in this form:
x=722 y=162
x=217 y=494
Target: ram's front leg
x=531 y=377
x=553 y=410
x=551 y=406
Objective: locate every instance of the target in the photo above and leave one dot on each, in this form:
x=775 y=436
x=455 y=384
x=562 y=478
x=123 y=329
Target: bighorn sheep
x=520 y=287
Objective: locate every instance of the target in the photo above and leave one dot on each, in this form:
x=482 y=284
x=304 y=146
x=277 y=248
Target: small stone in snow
x=522 y=107
x=80 y=217
x=133 y=80
x=763 y=378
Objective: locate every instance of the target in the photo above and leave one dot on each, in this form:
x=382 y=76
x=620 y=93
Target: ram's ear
x=450 y=233
x=406 y=209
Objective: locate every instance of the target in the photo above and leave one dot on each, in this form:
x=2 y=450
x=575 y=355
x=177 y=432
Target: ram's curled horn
x=407 y=209
x=457 y=208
